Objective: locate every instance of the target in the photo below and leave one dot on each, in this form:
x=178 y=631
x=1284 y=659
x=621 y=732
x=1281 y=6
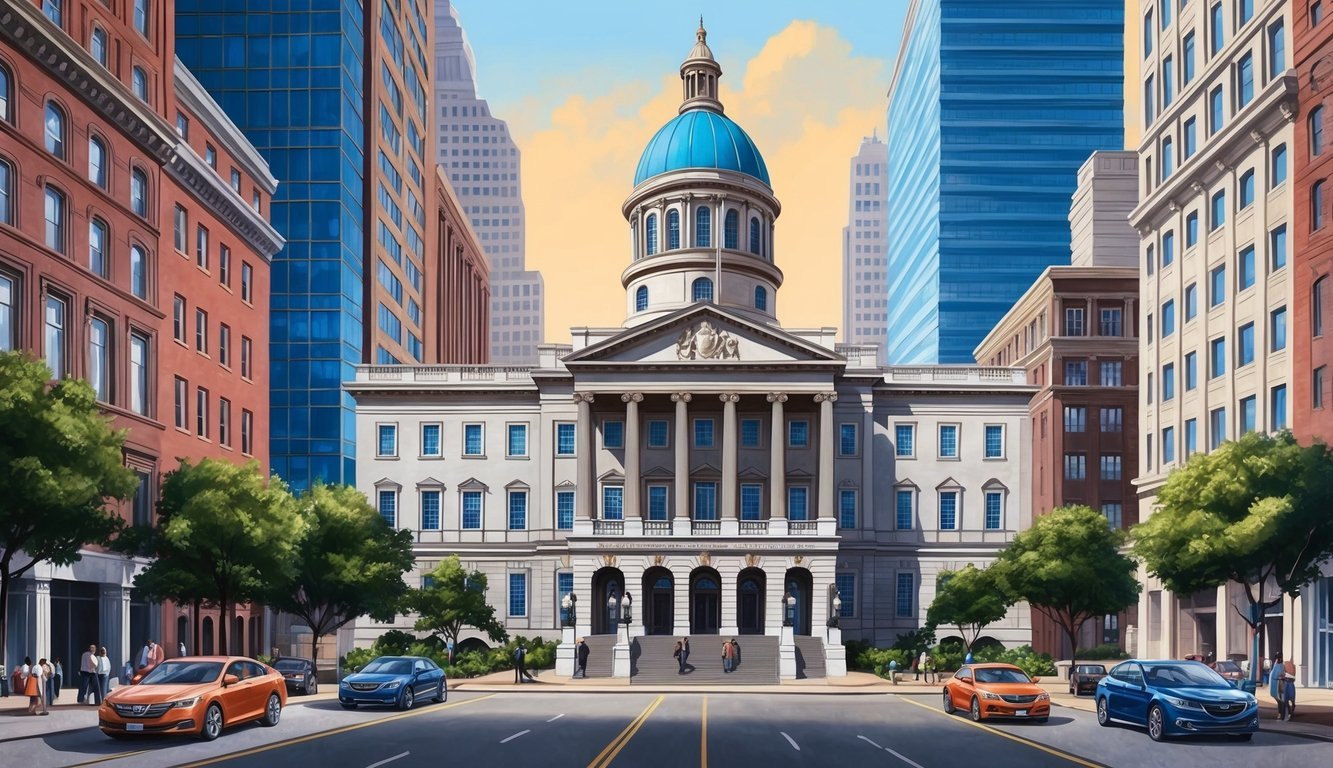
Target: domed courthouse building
x=700 y=470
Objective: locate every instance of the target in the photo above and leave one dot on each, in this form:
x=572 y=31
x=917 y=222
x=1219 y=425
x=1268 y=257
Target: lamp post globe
x=837 y=610
x=788 y=616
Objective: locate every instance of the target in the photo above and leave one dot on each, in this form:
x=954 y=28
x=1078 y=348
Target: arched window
x=97 y=45
x=1317 y=306
x=1168 y=157
x=761 y=298
x=55 y=130
x=673 y=230
x=6 y=193
x=641 y=299
x=1317 y=131
x=138 y=272
x=702 y=289
x=5 y=81
x=731 y=230
x=754 y=235
x=97 y=161
x=139 y=192
x=1246 y=189
x=55 y=220
x=1279 y=172
x=703 y=221
x=1317 y=205
x=139 y=83
x=97 y=245
x=650 y=229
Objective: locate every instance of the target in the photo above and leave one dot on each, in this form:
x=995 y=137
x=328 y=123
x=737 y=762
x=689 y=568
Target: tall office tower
x=992 y=109
x=476 y=151
x=864 y=261
x=334 y=96
x=1216 y=288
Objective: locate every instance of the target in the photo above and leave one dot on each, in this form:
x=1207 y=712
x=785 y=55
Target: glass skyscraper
x=333 y=94
x=992 y=109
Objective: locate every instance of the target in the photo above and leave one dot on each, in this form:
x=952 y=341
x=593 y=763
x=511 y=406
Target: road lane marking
x=703 y=736
x=515 y=736
x=105 y=758
x=333 y=732
x=557 y=717
x=1019 y=739
x=868 y=741
x=790 y=741
x=900 y=757
x=608 y=754
x=388 y=760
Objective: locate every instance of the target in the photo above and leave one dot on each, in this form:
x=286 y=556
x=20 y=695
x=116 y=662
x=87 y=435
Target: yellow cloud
x=805 y=100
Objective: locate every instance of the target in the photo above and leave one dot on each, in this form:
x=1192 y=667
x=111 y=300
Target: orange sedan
x=197 y=695
x=996 y=690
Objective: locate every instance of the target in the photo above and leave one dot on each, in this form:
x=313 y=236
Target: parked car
x=394 y=681
x=195 y=695
x=1229 y=670
x=996 y=690
x=299 y=674
x=1173 y=698
x=1083 y=678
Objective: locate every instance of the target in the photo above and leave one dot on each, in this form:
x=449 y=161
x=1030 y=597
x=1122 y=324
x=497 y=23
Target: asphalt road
x=675 y=729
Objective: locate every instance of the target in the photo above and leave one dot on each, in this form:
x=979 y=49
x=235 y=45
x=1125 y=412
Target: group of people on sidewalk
x=42 y=682
x=1282 y=686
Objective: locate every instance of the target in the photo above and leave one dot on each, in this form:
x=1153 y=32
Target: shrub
x=1103 y=651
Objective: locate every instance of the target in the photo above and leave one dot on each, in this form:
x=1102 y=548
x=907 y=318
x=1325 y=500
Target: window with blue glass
x=1192 y=229
x=141 y=16
x=902 y=509
x=751 y=433
x=1248 y=415
x=752 y=496
x=613 y=434
x=613 y=502
x=1191 y=370
x=1217 y=357
x=431 y=446
x=1217 y=428
x=388 y=439
x=472 y=440
x=1316 y=127
x=1245 y=80
x=1245 y=268
x=1191 y=443
x=518 y=510
x=1149 y=99
x=798 y=502
x=701 y=289
x=703 y=228
x=657 y=502
x=564 y=510
x=705 y=501
x=430 y=510
x=673 y=229
x=904 y=440
x=1277 y=331
x=994 y=441
x=1217 y=289
x=1216 y=32
x=798 y=433
x=1148 y=34
x=1245 y=9
x=761 y=298
x=471 y=510
x=564 y=586
x=517 y=444
x=1168 y=445
x=1277 y=49
x=1187 y=59
x=703 y=433
x=1317 y=205
x=1189 y=138
x=845 y=583
x=518 y=594
x=54 y=10
x=565 y=433
x=1168 y=81
x=754 y=235
x=994 y=510
x=1216 y=111
x=847 y=440
x=1168 y=318
x=948 y=510
x=1246 y=193
x=1219 y=210
x=905 y=595
x=388 y=507
x=948 y=441
x=1191 y=301
x=650 y=229
x=847 y=508
x=659 y=433
x=1168 y=249
x=1168 y=382
x=731 y=230
x=1245 y=345
x=1279 y=163
x=1168 y=158
x=1277 y=404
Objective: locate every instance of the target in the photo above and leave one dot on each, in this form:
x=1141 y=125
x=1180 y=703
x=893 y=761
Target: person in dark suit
x=581 y=655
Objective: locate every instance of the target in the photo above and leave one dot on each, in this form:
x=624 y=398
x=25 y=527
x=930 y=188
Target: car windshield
x=1184 y=675
x=1002 y=675
x=290 y=664
x=183 y=673
x=1090 y=669
x=389 y=667
x=1228 y=667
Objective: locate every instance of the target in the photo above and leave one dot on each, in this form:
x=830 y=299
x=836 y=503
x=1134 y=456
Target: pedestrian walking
x=47 y=676
x=103 y=673
x=180 y=648
x=1275 y=687
x=31 y=676
x=87 y=672
x=59 y=678
x=685 y=655
x=581 y=658
x=735 y=654
x=675 y=653
x=1289 y=687
x=726 y=656
x=921 y=664
x=518 y=664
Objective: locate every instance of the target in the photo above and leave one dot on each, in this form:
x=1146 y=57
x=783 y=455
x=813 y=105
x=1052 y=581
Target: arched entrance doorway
x=606 y=583
x=800 y=587
x=750 y=601
x=659 y=594
x=182 y=631
x=207 y=650
x=705 y=602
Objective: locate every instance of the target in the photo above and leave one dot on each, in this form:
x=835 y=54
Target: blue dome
x=701 y=138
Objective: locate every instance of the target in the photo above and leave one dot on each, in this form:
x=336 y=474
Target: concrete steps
x=651 y=662
x=809 y=657
x=601 y=654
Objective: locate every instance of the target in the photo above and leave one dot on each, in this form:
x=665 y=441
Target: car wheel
x=348 y=704
x=272 y=711
x=949 y=708
x=407 y=699
x=1156 y=723
x=1073 y=691
x=441 y=693
x=1103 y=713
x=212 y=727
x=976 y=710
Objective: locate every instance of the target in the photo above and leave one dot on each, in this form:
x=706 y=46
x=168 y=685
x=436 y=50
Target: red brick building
x=115 y=168
x=458 y=285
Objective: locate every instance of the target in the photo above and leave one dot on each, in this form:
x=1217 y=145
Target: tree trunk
x=314 y=649
x=1072 y=629
x=195 y=630
x=4 y=614
x=224 y=630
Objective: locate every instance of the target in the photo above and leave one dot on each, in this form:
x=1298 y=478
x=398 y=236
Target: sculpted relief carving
x=704 y=342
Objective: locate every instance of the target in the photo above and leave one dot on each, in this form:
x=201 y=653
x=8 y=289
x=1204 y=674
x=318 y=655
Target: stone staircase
x=651 y=662
x=809 y=657
x=601 y=654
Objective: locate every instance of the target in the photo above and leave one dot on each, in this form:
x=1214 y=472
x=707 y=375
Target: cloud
x=804 y=99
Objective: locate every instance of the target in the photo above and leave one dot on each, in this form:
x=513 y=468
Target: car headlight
x=391 y=685
x=1183 y=703
x=185 y=703
x=1043 y=697
x=344 y=684
x=989 y=695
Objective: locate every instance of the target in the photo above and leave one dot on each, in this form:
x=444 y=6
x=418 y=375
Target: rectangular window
x=994 y=510
x=247 y=432
x=1191 y=437
x=948 y=441
x=138 y=373
x=948 y=510
x=1317 y=379
x=565 y=434
x=1245 y=80
x=1114 y=512
x=1192 y=229
x=1277 y=407
x=1168 y=382
x=847 y=440
x=1245 y=345
x=1217 y=286
x=1112 y=419
x=200 y=331
x=904 y=602
x=904 y=440
x=472 y=510
x=1216 y=32
x=201 y=246
x=224 y=422
x=705 y=501
x=659 y=433
x=473 y=444
x=703 y=433
x=1168 y=81
x=657 y=502
x=564 y=509
x=613 y=502
x=1110 y=466
x=1245 y=268
x=1113 y=319
x=1248 y=414
x=388 y=439
x=1218 y=211
x=1074 y=321
x=1191 y=301
x=1168 y=318
x=845 y=583
x=994 y=441
x=1189 y=145
x=798 y=502
x=1076 y=466
x=1277 y=329
x=1217 y=357
x=224 y=344
x=613 y=434
x=180 y=230
x=178 y=329
x=1076 y=373
x=432 y=445
x=847 y=508
x=518 y=594
x=752 y=496
x=518 y=510
x=181 y=403
x=517 y=444
x=1187 y=59
x=247 y=282
x=751 y=433
x=1112 y=373
x=902 y=511
x=388 y=507
x=201 y=412
x=798 y=433
x=1217 y=428
x=1191 y=372
x=1277 y=247
x=1277 y=50
x=430 y=510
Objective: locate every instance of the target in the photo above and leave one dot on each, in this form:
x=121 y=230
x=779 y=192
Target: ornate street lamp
x=569 y=604
x=626 y=613
x=837 y=611
x=613 y=610
x=789 y=617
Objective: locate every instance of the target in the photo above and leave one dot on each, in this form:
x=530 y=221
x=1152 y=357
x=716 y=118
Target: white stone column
x=730 y=525
x=681 y=526
x=824 y=509
x=777 y=471
x=40 y=629
x=564 y=657
x=113 y=609
x=729 y=569
x=633 y=479
x=586 y=458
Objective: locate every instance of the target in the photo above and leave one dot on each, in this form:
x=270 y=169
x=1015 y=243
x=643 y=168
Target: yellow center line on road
x=703 y=736
x=608 y=754
x=1019 y=739
x=324 y=734
x=105 y=758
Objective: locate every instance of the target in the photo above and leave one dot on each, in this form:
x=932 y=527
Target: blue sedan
x=395 y=681
x=1175 y=698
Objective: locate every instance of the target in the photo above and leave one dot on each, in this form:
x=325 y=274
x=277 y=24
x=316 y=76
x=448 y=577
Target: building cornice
x=23 y=25
x=196 y=98
x=203 y=182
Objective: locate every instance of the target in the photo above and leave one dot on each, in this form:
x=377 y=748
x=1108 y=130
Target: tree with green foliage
x=1070 y=568
x=349 y=563
x=61 y=466
x=455 y=598
x=970 y=600
x=1255 y=511
x=224 y=535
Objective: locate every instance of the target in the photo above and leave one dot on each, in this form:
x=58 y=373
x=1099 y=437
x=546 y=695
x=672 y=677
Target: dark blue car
x=396 y=681
x=1175 y=698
